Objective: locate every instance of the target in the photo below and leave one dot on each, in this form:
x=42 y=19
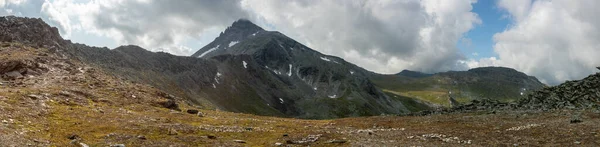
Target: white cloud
x=154 y=25
x=58 y=16
x=385 y=36
x=554 y=40
x=483 y=62
x=518 y=9
x=3 y=3
x=8 y=6
x=382 y=35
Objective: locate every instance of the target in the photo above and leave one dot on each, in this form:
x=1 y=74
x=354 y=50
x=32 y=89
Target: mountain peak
x=243 y=26
x=238 y=31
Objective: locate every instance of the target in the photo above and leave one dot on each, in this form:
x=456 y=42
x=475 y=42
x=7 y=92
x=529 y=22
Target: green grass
x=410 y=103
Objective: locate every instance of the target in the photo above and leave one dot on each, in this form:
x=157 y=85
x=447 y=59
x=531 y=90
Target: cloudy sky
x=554 y=40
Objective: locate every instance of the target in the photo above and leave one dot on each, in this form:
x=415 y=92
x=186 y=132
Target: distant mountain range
x=497 y=83
x=248 y=69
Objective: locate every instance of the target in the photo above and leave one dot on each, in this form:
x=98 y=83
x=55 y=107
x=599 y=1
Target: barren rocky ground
x=56 y=101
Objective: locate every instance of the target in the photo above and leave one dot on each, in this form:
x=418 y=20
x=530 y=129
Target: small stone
x=117 y=145
x=211 y=137
x=239 y=141
x=192 y=111
x=278 y=144
x=338 y=141
x=34 y=97
x=172 y=132
x=576 y=119
x=200 y=114
x=73 y=136
x=65 y=93
x=141 y=137
x=577 y=142
x=83 y=144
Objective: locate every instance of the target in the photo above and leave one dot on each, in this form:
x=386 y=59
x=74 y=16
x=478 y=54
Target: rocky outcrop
x=483 y=104
x=32 y=31
x=578 y=94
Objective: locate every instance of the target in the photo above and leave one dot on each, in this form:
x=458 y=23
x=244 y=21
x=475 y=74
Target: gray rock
x=172 y=132
x=73 y=136
x=576 y=119
x=13 y=75
x=211 y=136
x=117 y=145
x=141 y=137
x=337 y=141
x=192 y=111
x=170 y=104
x=34 y=97
x=31 y=72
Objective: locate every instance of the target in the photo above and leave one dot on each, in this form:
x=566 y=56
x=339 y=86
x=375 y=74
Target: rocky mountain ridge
x=250 y=70
x=238 y=82
x=311 y=81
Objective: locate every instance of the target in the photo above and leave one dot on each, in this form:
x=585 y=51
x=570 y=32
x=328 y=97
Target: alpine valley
x=253 y=87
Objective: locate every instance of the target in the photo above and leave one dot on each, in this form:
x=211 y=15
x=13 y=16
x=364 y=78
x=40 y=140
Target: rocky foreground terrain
x=50 y=98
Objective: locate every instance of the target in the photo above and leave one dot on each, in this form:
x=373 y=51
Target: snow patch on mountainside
x=217 y=77
x=233 y=43
x=290 y=71
x=208 y=51
x=245 y=64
